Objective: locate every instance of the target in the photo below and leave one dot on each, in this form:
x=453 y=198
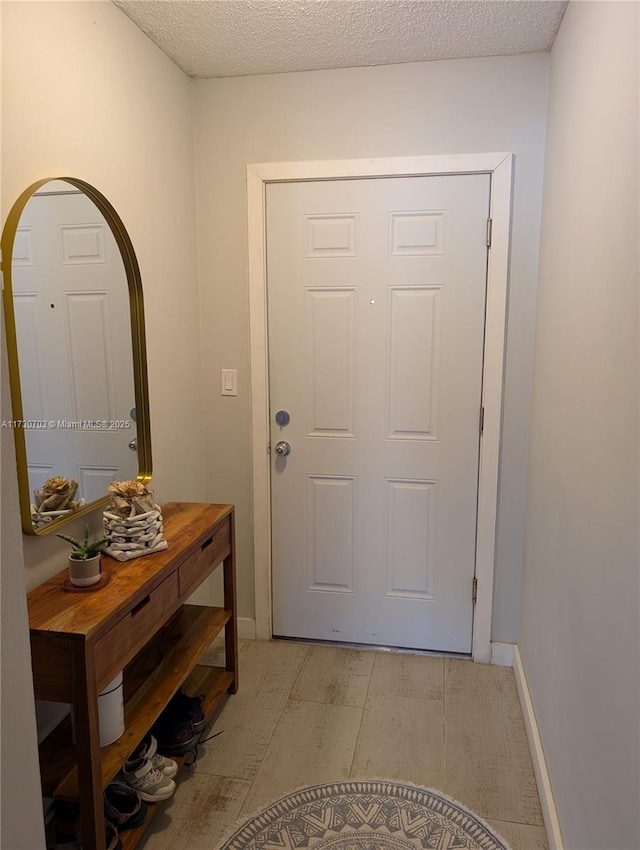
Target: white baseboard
x=246 y=628
x=549 y=811
x=502 y=654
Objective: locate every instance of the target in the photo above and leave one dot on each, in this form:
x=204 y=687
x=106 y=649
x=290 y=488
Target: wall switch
x=229 y=382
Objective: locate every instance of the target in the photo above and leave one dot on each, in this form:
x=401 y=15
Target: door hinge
x=489 y=230
x=481 y=420
x=474 y=590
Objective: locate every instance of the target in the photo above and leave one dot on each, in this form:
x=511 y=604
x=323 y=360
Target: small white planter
x=85 y=573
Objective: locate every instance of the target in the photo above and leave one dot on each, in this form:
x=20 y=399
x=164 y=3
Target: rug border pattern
x=473 y=825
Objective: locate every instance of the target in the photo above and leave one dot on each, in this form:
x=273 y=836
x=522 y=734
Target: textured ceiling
x=228 y=38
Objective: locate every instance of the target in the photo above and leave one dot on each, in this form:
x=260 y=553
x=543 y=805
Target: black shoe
x=123 y=806
x=184 y=706
x=111 y=838
x=175 y=735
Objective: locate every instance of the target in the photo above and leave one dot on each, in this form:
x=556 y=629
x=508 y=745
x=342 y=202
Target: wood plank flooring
x=307 y=713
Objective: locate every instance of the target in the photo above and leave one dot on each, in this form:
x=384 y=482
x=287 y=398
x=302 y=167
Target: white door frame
x=499 y=166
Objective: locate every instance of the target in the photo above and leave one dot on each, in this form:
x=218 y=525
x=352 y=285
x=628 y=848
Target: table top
x=84 y=615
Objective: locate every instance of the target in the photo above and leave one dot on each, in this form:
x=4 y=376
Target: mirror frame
x=138 y=339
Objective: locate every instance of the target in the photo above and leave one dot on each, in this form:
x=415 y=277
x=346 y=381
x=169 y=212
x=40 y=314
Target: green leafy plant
x=84 y=549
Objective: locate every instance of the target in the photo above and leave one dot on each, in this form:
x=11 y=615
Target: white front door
x=376 y=302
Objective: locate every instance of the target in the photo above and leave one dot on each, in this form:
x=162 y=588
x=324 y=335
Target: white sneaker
x=148 y=749
x=149 y=782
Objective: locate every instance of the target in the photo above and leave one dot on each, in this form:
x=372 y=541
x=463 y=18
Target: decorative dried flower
x=56 y=494
x=130 y=498
x=57 y=484
x=128 y=489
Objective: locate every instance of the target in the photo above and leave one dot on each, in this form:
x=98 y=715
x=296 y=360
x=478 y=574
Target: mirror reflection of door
x=71 y=302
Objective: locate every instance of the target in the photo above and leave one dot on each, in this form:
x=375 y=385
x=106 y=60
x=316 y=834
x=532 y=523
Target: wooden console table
x=138 y=622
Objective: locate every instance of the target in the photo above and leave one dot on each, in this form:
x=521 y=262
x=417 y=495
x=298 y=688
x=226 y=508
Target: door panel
x=414 y=346
x=376 y=298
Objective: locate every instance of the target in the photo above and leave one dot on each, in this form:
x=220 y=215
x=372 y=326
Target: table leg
x=88 y=750
x=231 y=628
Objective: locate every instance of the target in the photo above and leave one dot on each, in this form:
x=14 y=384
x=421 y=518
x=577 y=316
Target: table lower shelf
x=150 y=682
x=213 y=682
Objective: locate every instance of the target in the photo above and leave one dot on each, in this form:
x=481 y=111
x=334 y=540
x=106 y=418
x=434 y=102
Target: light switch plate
x=228 y=382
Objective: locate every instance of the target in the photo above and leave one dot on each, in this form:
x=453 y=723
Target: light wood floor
x=306 y=714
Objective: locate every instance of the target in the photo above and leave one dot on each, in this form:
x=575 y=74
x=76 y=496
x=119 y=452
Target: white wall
x=21 y=825
x=579 y=625
x=458 y=106
x=86 y=94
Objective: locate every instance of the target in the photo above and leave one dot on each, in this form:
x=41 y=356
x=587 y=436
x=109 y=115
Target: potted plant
x=84 y=560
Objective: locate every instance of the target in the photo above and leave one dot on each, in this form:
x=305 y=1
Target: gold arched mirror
x=76 y=344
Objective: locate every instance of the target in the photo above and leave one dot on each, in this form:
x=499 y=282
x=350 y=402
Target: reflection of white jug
x=110 y=712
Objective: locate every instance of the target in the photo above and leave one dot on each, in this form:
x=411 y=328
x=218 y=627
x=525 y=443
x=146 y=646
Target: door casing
x=500 y=167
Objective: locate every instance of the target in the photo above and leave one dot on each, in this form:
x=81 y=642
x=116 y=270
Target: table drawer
x=132 y=632
x=199 y=565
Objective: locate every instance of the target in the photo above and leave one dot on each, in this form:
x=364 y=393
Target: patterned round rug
x=365 y=815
